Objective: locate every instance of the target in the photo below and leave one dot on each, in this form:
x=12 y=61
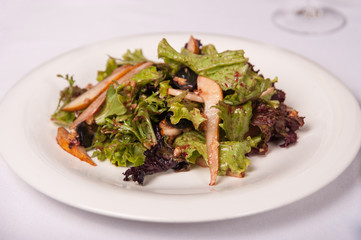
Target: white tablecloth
x=32 y=32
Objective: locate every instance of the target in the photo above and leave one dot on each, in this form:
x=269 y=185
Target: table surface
x=32 y=32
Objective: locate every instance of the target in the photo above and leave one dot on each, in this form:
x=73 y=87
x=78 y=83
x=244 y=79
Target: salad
x=195 y=107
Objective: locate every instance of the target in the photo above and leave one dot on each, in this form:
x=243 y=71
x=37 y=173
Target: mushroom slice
x=168 y=130
x=211 y=93
x=190 y=95
x=180 y=81
x=89 y=96
x=193 y=45
x=64 y=139
x=185 y=79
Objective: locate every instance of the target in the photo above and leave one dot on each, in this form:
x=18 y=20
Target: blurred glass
x=309 y=19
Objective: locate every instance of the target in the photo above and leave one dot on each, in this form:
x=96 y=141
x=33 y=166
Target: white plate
x=327 y=143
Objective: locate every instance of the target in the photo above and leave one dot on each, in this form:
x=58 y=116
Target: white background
x=33 y=32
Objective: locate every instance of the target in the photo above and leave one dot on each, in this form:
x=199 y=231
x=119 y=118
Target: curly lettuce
x=235 y=120
x=230 y=69
x=129 y=57
x=126 y=119
x=126 y=127
x=68 y=94
x=231 y=153
x=186 y=110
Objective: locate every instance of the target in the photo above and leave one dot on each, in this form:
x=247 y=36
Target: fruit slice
x=89 y=111
x=95 y=105
x=89 y=96
x=211 y=93
x=65 y=141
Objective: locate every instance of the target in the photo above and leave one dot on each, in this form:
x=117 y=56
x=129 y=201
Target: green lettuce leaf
x=249 y=86
x=63 y=118
x=68 y=94
x=136 y=127
x=132 y=58
x=143 y=128
x=147 y=76
x=232 y=157
x=231 y=153
x=130 y=128
x=174 y=65
x=192 y=144
x=163 y=88
x=129 y=57
x=230 y=69
x=186 y=111
x=128 y=113
x=120 y=99
x=201 y=64
x=139 y=92
x=235 y=120
x=113 y=106
x=110 y=67
x=209 y=49
x=119 y=152
x=153 y=103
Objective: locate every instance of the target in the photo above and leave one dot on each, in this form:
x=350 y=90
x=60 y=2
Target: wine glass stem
x=309 y=19
x=310 y=11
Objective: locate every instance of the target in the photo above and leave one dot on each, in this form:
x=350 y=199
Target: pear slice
x=64 y=139
x=211 y=93
x=67 y=140
x=89 y=96
x=89 y=111
x=95 y=105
